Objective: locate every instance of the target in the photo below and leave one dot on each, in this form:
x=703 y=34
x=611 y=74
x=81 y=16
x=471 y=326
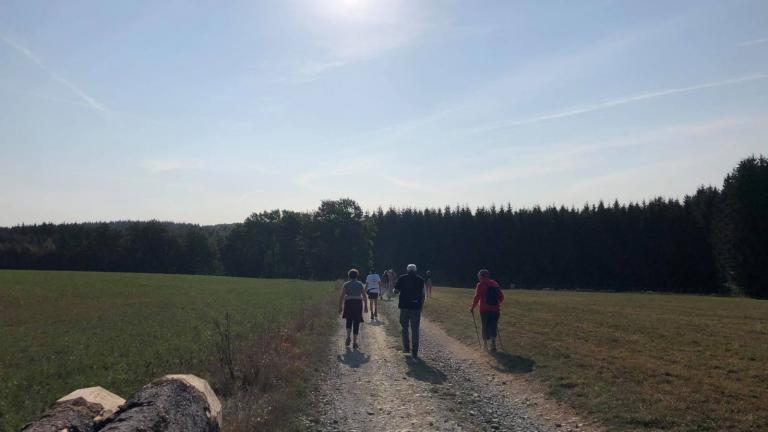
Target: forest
x=714 y=241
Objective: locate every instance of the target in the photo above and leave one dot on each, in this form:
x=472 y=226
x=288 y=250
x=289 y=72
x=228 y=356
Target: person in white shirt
x=373 y=289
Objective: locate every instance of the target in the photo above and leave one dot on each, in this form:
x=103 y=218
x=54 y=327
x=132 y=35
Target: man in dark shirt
x=411 y=289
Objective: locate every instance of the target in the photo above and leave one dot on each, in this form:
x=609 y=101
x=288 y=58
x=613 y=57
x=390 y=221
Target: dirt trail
x=452 y=388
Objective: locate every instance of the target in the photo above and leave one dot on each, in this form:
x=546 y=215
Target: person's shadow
x=421 y=371
x=353 y=358
x=513 y=364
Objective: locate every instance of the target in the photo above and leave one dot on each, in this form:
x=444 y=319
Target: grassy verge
x=257 y=341
x=635 y=361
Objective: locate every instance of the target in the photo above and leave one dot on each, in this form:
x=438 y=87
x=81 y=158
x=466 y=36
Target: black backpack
x=492 y=295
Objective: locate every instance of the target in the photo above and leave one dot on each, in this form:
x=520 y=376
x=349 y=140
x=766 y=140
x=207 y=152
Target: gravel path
x=452 y=387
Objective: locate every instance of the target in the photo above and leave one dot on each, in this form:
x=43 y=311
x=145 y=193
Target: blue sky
x=207 y=111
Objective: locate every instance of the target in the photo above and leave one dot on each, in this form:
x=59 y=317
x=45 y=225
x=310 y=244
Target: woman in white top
x=373 y=289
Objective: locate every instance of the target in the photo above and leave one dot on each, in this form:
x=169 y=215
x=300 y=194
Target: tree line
x=713 y=241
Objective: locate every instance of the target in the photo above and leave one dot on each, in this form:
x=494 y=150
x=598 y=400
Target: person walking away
x=351 y=305
x=373 y=289
x=411 y=289
x=385 y=285
x=489 y=296
x=428 y=283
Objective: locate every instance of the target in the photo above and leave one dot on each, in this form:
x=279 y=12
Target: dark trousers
x=490 y=322
x=354 y=325
x=412 y=318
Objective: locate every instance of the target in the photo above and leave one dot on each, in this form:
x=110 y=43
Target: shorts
x=353 y=310
x=373 y=295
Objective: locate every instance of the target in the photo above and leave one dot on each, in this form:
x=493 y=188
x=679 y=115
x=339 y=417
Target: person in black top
x=411 y=289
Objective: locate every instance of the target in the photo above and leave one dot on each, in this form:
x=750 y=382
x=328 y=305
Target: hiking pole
x=476 y=331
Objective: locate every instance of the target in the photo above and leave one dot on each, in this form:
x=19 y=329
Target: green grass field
x=65 y=330
x=634 y=361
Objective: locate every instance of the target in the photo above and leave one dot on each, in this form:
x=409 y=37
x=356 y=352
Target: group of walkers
x=412 y=291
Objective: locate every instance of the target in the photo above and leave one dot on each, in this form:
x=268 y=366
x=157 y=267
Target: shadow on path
x=512 y=363
x=353 y=358
x=421 y=371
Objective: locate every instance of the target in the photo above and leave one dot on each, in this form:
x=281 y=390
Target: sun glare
x=346 y=7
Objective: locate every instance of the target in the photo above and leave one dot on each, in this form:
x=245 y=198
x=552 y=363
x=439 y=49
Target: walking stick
x=498 y=333
x=476 y=331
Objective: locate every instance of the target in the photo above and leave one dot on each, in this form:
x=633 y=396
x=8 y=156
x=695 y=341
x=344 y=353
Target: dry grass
x=266 y=377
x=636 y=361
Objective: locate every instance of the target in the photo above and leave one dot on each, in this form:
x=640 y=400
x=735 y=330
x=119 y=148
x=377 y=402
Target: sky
x=204 y=112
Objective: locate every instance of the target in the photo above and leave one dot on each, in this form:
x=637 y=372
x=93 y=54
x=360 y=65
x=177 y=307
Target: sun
x=345 y=11
x=352 y=4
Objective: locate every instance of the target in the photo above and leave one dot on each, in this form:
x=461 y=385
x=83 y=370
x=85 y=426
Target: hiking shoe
x=355 y=345
x=406 y=350
x=348 y=341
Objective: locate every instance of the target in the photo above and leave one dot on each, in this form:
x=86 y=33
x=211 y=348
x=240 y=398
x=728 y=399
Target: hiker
x=385 y=285
x=354 y=301
x=372 y=288
x=392 y=281
x=428 y=283
x=488 y=294
x=411 y=289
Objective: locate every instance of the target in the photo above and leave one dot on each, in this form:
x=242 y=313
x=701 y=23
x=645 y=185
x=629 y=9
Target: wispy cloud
x=81 y=94
x=170 y=165
x=513 y=164
x=351 y=169
x=616 y=102
x=658 y=136
x=312 y=71
x=752 y=42
x=489 y=98
x=208 y=164
x=409 y=184
x=346 y=32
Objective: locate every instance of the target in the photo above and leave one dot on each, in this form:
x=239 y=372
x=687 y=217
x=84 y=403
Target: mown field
x=634 y=361
x=65 y=330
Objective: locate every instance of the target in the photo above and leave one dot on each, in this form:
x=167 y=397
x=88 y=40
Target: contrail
x=29 y=55
x=752 y=42
x=616 y=102
x=87 y=99
x=25 y=52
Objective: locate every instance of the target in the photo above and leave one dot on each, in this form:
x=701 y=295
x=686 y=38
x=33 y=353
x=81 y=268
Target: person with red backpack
x=488 y=294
